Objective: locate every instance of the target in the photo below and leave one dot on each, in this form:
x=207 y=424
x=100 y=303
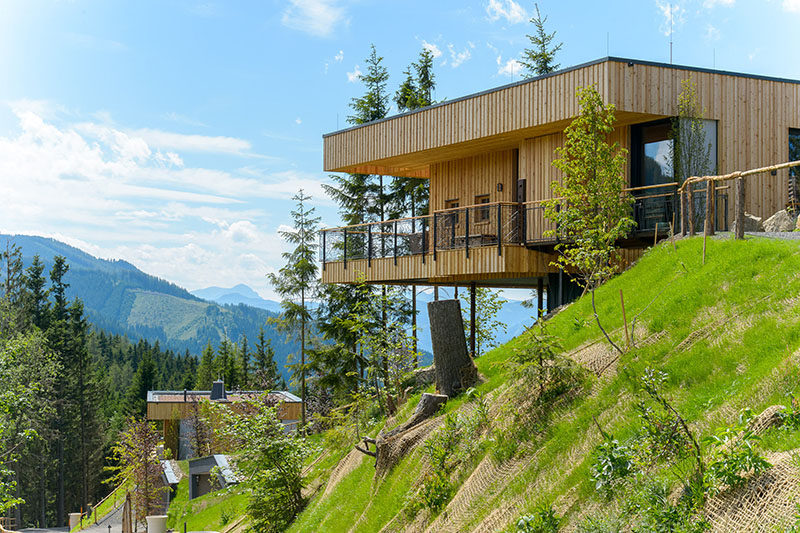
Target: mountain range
x=119 y=298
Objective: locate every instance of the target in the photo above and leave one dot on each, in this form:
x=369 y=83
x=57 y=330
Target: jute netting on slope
x=765 y=503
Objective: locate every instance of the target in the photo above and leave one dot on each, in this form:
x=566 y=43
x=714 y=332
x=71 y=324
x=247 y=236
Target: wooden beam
x=472 y=320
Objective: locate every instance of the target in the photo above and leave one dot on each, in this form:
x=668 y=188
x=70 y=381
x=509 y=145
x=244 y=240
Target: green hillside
x=727 y=336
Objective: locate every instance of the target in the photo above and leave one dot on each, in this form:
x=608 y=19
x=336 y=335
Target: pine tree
x=244 y=363
x=36 y=304
x=297 y=280
x=374 y=105
x=143 y=381
x=206 y=370
x=540 y=58
x=406 y=95
x=266 y=370
x=425 y=82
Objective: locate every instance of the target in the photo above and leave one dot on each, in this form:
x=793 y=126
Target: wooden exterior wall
x=753 y=119
x=451 y=266
x=467 y=178
x=181 y=410
x=536 y=158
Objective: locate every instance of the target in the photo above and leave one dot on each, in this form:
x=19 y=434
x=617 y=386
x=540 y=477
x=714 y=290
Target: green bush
x=613 y=462
x=543 y=520
x=733 y=457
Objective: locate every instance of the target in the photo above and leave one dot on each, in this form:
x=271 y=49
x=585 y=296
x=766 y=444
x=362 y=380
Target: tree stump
x=391 y=446
x=455 y=370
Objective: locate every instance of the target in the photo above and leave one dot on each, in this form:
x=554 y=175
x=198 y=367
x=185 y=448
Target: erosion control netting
x=765 y=503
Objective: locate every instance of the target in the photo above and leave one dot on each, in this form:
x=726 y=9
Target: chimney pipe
x=218 y=390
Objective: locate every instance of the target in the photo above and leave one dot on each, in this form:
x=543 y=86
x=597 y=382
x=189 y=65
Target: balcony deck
x=500 y=244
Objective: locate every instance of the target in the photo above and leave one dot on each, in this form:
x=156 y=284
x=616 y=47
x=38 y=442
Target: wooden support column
x=539 y=297
x=414 y=324
x=472 y=320
x=739 y=208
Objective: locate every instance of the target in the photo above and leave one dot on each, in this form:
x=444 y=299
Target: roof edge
x=609 y=59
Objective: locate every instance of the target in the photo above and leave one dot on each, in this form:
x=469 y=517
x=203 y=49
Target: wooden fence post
x=708 y=227
x=683 y=213
x=690 y=199
x=739 y=209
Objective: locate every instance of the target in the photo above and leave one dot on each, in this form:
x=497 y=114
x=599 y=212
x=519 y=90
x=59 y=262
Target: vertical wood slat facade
x=470 y=145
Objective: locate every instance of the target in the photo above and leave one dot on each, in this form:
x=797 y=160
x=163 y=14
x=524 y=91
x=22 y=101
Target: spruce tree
x=539 y=59
x=266 y=370
x=297 y=281
x=374 y=105
x=206 y=370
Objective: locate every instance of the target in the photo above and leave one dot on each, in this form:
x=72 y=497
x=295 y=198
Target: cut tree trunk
x=391 y=446
x=455 y=370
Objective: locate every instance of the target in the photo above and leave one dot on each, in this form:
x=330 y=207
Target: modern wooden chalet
x=489 y=157
x=176 y=412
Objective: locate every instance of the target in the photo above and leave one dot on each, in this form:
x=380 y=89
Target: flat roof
x=563 y=71
x=175 y=396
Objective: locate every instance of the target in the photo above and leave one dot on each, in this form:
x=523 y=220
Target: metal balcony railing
x=492 y=225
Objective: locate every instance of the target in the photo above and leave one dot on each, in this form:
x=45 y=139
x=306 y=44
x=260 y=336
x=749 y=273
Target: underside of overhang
x=417 y=164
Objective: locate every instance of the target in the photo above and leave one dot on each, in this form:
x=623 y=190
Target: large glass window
x=794 y=149
x=654 y=160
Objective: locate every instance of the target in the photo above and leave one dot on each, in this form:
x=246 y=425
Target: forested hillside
x=121 y=299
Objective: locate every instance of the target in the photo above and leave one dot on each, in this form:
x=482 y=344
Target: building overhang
x=500 y=118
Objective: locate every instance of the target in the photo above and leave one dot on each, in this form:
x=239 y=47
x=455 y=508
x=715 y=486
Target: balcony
x=503 y=241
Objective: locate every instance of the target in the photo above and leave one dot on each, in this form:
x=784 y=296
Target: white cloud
x=183 y=119
x=793 y=6
x=352 y=77
x=339 y=57
x=316 y=17
x=298 y=120
x=110 y=192
x=673 y=15
x=458 y=58
x=432 y=48
x=712 y=33
x=193 y=143
x=509 y=10
x=509 y=68
x=709 y=4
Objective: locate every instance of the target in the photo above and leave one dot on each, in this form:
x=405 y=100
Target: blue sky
x=173 y=134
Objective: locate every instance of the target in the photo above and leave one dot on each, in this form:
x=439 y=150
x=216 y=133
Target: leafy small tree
x=590 y=207
x=539 y=59
x=270 y=461
x=138 y=462
x=488 y=303
x=691 y=151
x=297 y=281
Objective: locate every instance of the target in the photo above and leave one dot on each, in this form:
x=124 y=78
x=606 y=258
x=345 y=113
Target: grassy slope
x=211 y=512
x=180 y=317
x=745 y=295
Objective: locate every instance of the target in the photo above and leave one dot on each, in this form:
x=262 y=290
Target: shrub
x=613 y=462
x=733 y=457
x=543 y=520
